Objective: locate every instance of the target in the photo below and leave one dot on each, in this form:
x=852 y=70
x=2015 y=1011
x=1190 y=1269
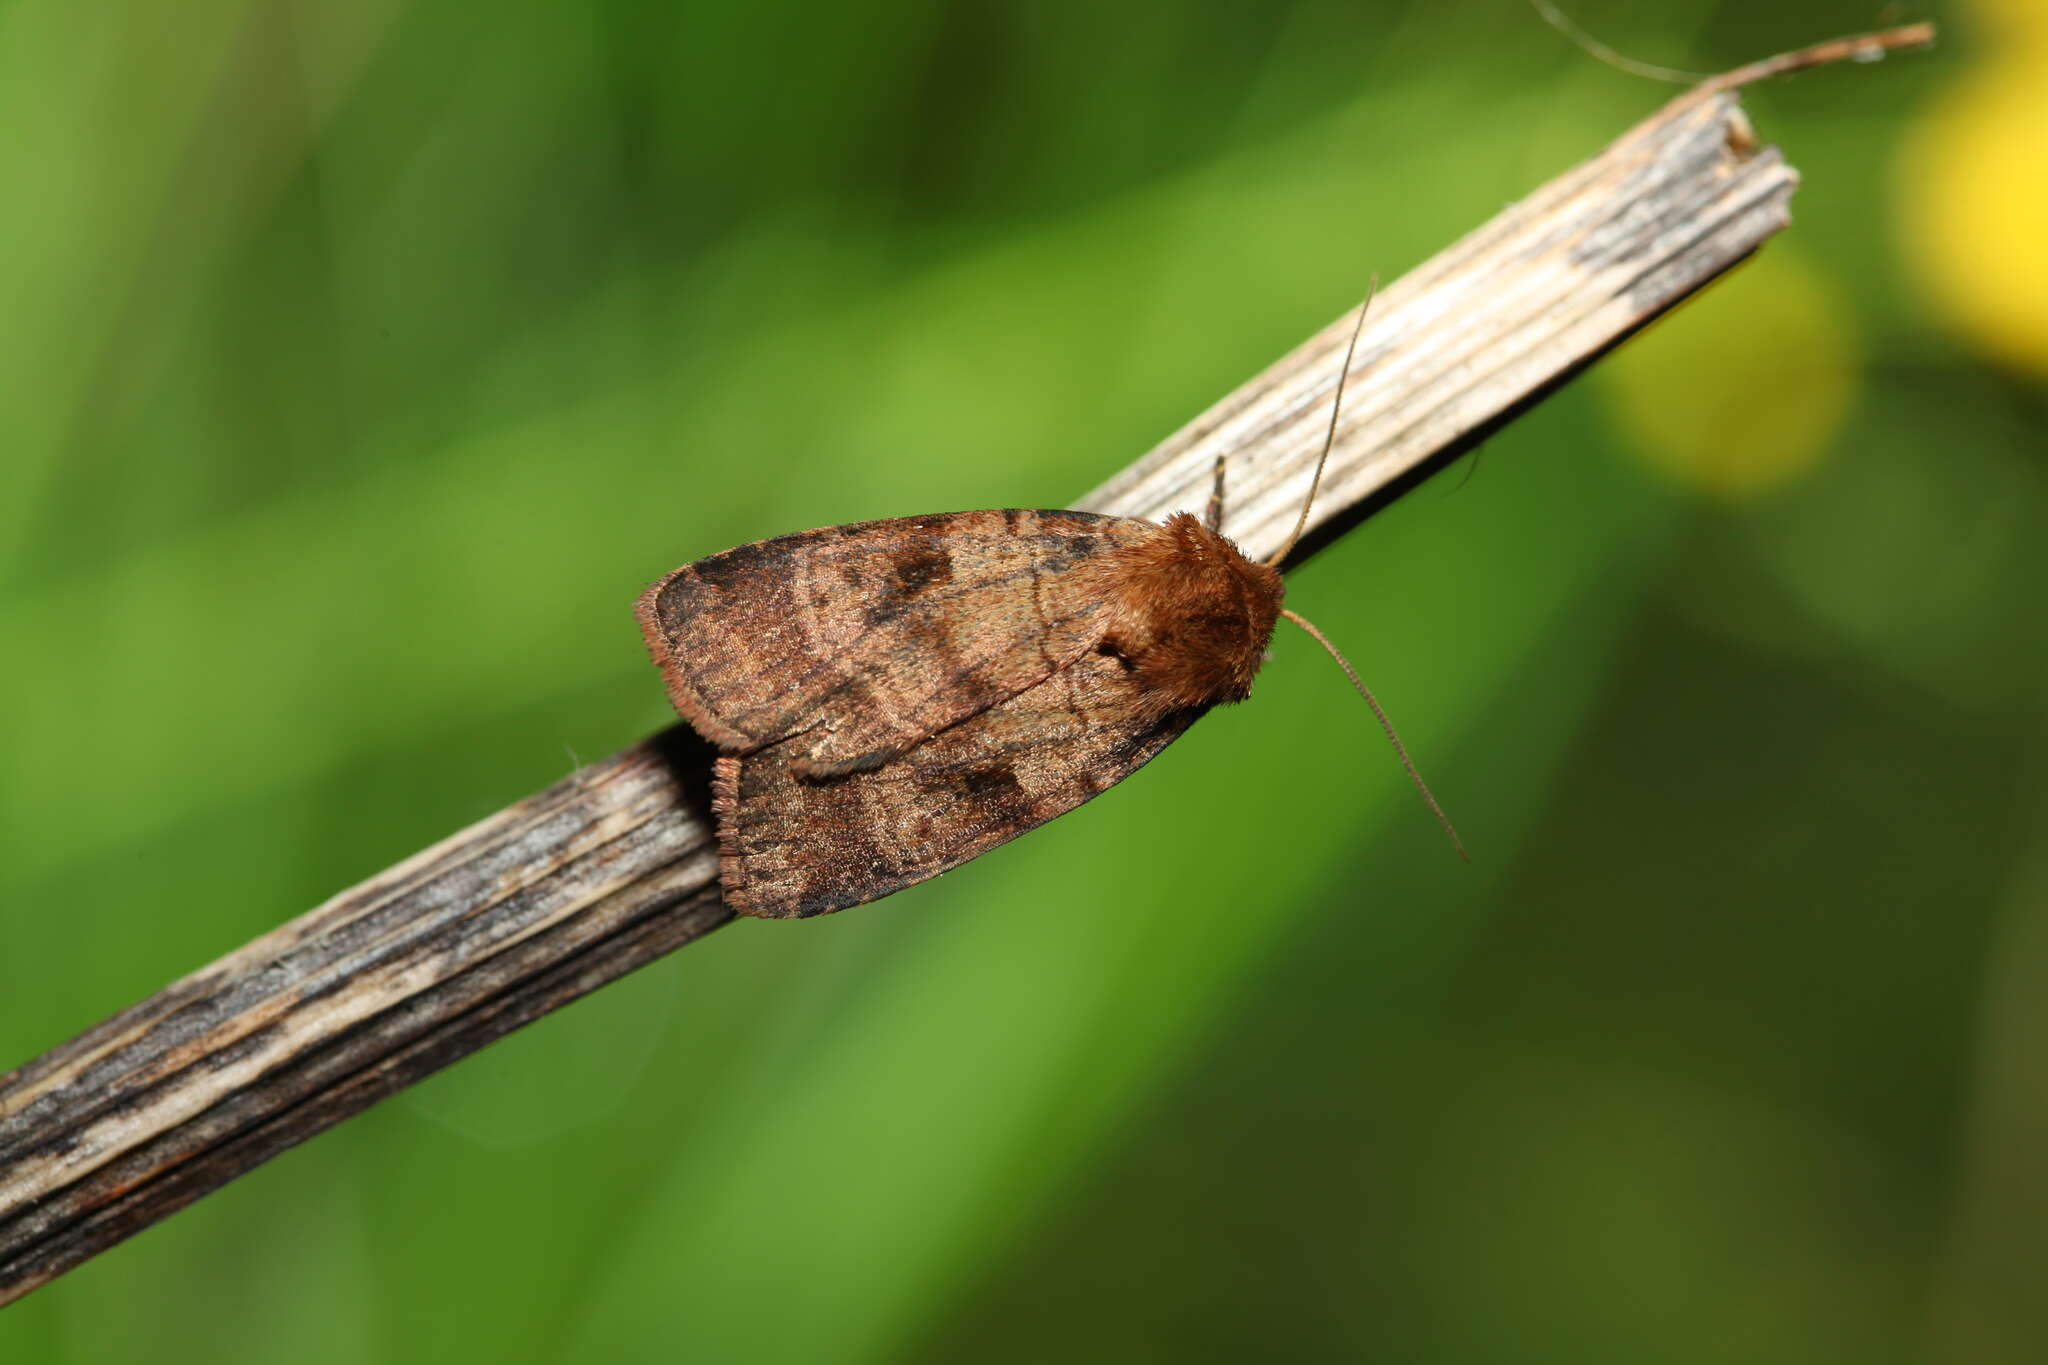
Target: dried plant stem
x=614 y=866
x=1858 y=47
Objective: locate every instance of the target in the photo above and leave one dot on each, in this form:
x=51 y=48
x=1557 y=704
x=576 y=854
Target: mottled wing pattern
x=794 y=845
x=848 y=645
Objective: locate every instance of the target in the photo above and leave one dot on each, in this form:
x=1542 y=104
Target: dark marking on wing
x=725 y=570
x=913 y=571
x=921 y=568
x=990 y=781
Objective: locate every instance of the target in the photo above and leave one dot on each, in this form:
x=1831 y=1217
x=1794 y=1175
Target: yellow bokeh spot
x=1745 y=387
x=2007 y=21
x=1973 y=181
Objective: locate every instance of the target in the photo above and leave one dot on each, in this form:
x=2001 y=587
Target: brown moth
x=895 y=697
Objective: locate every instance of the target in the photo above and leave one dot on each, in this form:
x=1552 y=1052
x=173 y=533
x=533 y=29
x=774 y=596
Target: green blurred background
x=364 y=358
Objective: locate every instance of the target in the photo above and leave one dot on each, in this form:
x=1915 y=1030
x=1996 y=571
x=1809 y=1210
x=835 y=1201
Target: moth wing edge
x=689 y=703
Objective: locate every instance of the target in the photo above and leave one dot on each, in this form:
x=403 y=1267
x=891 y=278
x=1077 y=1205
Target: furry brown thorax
x=1192 y=616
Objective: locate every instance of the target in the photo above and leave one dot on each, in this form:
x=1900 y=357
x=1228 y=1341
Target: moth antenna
x=1329 y=437
x=1213 y=518
x=1400 y=749
x=1593 y=47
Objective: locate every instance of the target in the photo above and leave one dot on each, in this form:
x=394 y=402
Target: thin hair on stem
x=1857 y=47
x=1593 y=47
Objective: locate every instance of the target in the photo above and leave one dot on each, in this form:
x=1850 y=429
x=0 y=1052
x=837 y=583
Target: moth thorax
x=1193 y=615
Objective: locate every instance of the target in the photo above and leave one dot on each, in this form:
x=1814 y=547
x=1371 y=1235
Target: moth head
x=1191 y=615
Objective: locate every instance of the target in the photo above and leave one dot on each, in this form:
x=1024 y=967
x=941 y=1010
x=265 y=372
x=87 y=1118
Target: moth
x=892 y=698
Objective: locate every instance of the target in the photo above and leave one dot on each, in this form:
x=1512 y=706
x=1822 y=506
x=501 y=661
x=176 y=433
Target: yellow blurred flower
x=2014 y=20
x=1745 y=387
x=1973 y=181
